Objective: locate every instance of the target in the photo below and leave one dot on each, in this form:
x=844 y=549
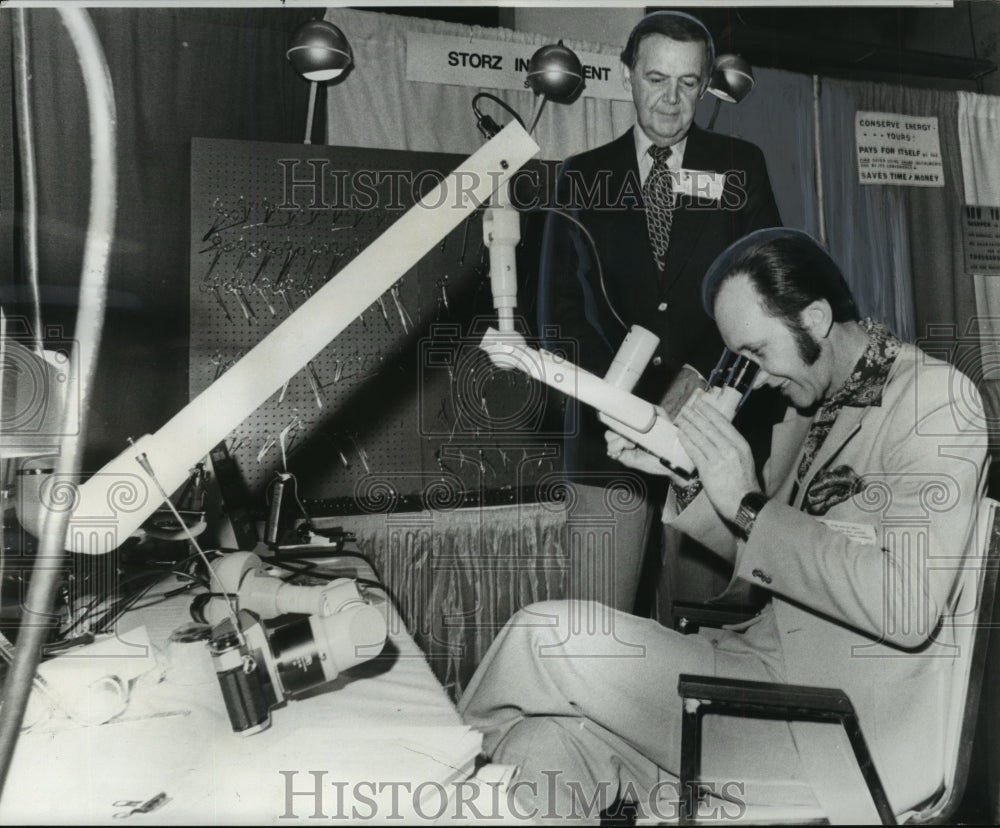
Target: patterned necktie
x=658 y=193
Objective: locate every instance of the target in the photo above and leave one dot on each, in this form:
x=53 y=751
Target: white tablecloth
x=381 y=744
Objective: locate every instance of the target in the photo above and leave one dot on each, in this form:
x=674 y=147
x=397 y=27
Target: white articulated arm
x=220 y=408
x=640 y=421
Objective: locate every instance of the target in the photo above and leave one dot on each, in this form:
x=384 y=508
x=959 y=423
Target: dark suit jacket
x=601 y=189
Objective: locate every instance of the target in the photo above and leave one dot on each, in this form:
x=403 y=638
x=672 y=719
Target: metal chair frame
x=708 y=694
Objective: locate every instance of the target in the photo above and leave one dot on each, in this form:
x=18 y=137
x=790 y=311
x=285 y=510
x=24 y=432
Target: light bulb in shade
x=732 y=78
x=320 y=51
x=555 y=72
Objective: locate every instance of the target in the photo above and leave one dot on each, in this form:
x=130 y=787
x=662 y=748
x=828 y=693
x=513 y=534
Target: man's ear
x=626 y=77
x=817 y=318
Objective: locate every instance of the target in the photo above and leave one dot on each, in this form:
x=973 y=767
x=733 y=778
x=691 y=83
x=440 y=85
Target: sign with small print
x=904 y=150
x=981 y=239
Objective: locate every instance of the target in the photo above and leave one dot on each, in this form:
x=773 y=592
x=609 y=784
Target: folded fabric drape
x=457 y=576
x=979 y=136
x=866 y=225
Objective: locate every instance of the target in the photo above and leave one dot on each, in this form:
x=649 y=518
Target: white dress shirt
x=645 y=160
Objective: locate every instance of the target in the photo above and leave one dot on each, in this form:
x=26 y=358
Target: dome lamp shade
x=320 y=51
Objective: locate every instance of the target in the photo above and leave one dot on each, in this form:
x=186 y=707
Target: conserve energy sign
x=464 y=61
x=898 y=149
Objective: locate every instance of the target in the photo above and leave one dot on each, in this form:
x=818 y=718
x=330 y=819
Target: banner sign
x=898 y=149
x=493 y=64
x=981 y=239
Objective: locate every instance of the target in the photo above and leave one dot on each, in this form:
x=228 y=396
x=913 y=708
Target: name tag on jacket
x=857 y=532
x=699 y=185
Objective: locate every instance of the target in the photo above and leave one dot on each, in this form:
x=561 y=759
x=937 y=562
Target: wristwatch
x=750 y=507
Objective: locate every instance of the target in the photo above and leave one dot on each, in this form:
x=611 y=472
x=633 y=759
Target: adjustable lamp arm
x=123 y=486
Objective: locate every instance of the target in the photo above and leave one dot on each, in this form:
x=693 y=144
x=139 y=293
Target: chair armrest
x=690 y=615
x=792 y=701
x=765 y=699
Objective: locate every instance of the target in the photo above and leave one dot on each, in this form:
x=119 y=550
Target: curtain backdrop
x=942 y=295
x=866 y=225
x=456 y=576
x=376 y=106
x=177 y=74
x=979 y=134
x=947 y=315
x=777 y=116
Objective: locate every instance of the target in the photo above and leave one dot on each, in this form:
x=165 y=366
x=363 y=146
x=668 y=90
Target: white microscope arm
x=201 y=424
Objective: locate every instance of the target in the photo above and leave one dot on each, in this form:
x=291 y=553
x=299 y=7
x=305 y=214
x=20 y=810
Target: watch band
x=747 y=512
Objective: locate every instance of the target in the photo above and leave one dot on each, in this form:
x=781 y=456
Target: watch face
x=754 y=502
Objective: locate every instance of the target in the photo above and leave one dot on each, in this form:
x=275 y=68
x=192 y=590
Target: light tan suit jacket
x=865 y=616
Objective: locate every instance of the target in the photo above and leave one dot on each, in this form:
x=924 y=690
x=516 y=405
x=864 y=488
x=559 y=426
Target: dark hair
x=789 y=270
x=673 y=24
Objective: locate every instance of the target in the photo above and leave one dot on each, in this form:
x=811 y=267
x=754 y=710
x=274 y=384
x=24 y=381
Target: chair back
x=970 y=617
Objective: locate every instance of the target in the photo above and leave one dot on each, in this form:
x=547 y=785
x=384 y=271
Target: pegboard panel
x=402 y=405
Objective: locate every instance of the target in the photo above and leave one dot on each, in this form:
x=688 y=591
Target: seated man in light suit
x=858 y=564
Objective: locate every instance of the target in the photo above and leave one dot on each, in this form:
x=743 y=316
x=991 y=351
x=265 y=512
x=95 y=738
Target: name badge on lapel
x=701 y=186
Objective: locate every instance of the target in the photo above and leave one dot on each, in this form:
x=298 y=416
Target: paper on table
x=91 y=684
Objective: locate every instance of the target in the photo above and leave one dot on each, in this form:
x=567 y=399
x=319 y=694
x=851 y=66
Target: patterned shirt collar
x=867 y=380
x=864 y=387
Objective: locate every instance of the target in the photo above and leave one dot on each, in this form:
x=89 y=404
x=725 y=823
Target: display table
x=382 y=743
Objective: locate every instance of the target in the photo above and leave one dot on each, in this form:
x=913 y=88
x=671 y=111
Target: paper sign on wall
x=898 y=149
x=494 y=64
x=981 y=239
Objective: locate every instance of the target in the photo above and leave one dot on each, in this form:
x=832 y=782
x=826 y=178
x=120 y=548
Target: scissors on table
x=137 y=806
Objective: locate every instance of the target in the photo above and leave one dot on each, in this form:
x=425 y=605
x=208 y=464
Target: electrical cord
x=309 y=567
x=193 y=581
x=488 y=127
x=485 y=123
x=116 y=611
x=972 y=37
x=315 y=570
x=153 y=600
x=78 y=625
x=284 y=478
x=597 y=259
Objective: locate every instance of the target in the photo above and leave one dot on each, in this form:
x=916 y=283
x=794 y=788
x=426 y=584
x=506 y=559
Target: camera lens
x=299 y=661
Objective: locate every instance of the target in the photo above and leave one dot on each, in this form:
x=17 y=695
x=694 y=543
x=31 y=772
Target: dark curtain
x=177 y=74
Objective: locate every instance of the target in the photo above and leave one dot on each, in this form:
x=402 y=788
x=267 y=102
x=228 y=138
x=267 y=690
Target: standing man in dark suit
x=659 y=204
